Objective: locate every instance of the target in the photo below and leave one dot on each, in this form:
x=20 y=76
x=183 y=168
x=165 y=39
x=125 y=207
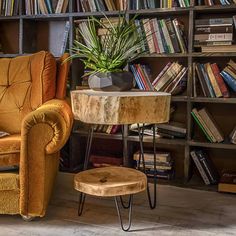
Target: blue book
x=230 y=81
x=135 y=73
x=49 y=6
x=208 y=82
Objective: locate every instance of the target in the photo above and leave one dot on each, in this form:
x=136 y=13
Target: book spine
x=208 y=83
x=173 y=36
x=158 y=36
x=214 y=22
x=229 y=80
x=213 y=37
x=220 y=81
x=162 y=73
x=154 y=37
x=199 y=167
x=213 y=81
x=167 y=36
x=214 y=30
x=65 y=37
x=202 y=80
x=166 y=50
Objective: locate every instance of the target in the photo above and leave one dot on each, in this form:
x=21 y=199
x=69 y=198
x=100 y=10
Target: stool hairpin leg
x=141 y=157
x=121 y=199
x=130 y=213
x=86 y=161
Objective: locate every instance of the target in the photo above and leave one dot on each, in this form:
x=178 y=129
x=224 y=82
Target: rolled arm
x=43 y=133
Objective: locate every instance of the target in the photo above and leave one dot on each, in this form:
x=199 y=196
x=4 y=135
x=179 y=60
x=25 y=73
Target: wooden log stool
x=118 y=108
x=111 y=182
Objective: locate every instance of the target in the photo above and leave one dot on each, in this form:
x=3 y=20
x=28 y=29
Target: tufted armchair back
x=26 y=82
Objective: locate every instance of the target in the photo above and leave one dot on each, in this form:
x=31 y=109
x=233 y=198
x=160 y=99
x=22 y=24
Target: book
x=213 y=22
x=227 y=182
x=200 y=168
x=160 y=156
x=230 y=81
x=211 y=124
x=232 y=136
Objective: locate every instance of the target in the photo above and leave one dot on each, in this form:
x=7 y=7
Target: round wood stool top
x=110 y=181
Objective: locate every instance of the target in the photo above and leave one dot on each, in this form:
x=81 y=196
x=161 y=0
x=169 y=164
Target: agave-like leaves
x=121 y=44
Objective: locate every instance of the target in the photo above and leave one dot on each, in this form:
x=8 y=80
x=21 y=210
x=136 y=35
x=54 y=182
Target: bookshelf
x=24 y=34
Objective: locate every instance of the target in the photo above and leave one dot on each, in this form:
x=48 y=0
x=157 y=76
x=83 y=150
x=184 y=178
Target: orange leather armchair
x=33 y=111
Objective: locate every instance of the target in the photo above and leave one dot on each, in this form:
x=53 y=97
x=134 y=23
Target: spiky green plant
x=120 y=44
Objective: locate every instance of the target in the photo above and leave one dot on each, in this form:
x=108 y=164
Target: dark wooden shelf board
x=153 y=55
x=164 y=11
x=99 y=135
x=212 y=145
x=148 y=139
x=9 y=18
x=216 y=8
x=213 y=100
x=179 y=98
x=47 y=17
x=214 y=54
x=96 y=13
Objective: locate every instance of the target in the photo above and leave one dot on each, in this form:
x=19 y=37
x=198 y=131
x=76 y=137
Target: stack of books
x=45 y=7
x=227 y=182
x=215 y=2
x=103 y=161
x=149 y=4
x=164 y=164
x=162 y=36
x=208 y=125
x=101 y=5
x=172 y=79
x=229 y=75
x=211 y=81
x=9 y=8
x=172 y=130
x=205 y=167
x=214 y=35
x=108 y=129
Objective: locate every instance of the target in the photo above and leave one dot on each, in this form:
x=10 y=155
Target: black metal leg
x=86 y=162
x=130 y=213
x=81 y=203
x=88 y=147
x=122 y=203
x=141 y=157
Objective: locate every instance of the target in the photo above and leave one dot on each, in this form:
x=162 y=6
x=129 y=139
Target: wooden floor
x=179 y=212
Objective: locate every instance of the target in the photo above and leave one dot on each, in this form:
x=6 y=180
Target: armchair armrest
x=43 y=133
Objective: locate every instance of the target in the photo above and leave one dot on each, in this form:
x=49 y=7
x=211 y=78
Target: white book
x=59 y=6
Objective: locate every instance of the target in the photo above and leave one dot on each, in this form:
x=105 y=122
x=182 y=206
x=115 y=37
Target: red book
x=154 y=37
x=224 y=90
x=115 y=129
x=142 y=76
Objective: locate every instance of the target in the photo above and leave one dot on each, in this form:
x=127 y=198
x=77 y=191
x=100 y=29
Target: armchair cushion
x=10 y=150
x=25 y=84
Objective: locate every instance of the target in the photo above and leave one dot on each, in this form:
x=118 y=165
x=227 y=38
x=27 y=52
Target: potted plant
x=106 y=57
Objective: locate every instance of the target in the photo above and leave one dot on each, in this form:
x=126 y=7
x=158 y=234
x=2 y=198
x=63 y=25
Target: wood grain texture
x=110 y=181
x=120 y=107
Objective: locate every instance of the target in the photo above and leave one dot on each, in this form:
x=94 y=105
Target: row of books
x=171 y=79
x=164 y=164
x=208 y=125
x=9 y=8
x=108 y=129
x=162 y=36
x=215 y=34
x=216 y=2
x=101 y=5
x=205 y=167
x=45 y=6
x=213 y=81
x=150 y=4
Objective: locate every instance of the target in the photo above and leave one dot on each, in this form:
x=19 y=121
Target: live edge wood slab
x=110 y=181
x=110 y=108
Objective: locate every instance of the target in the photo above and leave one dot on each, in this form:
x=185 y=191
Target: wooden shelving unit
x=23 y=34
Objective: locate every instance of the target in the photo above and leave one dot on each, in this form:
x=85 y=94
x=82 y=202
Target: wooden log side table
x=122 y=108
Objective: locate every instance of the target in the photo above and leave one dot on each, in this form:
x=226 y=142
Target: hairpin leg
x=122 y=203
x=86 y=162
x=130 y=213
x=81 y=203
x=141 y=157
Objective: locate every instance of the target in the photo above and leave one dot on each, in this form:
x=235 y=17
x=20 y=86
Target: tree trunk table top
x=110 y=181
x=111 y=108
